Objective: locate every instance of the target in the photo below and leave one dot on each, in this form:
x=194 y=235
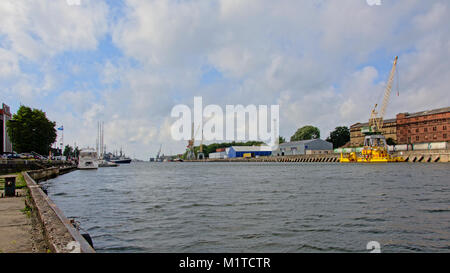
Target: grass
x=20 y=181
x=26 y=211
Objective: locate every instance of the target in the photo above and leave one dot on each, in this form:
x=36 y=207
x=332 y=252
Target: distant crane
x=159 y=153
x=200 y=154
x=191 y=142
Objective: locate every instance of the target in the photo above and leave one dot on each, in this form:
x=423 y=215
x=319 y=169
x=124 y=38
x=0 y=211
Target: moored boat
x=87 y=160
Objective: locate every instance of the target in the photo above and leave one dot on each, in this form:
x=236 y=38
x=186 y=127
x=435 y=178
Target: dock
x=419 y=156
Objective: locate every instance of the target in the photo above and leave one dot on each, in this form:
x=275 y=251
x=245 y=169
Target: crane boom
x=376 y=118
x=387 y=93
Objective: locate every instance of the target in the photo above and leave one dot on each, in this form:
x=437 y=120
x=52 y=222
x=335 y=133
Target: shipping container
x=431 y=146
x=439 y=145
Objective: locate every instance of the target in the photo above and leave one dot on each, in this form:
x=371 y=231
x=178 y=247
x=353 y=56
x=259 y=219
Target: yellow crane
x=376 y=119
x=375 y=147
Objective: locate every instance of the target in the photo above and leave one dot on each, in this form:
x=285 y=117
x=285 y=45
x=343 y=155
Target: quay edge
x=59 y=233
x=420 y=156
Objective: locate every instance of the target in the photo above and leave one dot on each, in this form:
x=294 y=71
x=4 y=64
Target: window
x=417 y=130
x=445 y=136
x=435 y=137
x=425 y=130
x=434 y=129
x=444 y=128
x=417 y=138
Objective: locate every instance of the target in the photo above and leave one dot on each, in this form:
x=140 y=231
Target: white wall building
x=313 y=146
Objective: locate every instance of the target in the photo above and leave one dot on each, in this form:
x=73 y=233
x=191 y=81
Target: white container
x=422 y=146
x=439 y=145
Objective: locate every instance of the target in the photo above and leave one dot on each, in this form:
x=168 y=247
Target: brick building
x=425 y=126
x=389 y=130
x=5 y=143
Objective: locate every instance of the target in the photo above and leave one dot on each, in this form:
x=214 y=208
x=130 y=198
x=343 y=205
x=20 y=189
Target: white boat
x=87 y=159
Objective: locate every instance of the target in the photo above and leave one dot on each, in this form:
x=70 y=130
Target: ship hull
x=121 y=161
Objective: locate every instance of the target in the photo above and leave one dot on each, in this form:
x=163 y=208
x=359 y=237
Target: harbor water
x=259 y=207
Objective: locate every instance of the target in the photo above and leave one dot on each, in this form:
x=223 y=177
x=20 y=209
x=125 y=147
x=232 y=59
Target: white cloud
x=36 y=29
x=324 y=62
x=9 y=64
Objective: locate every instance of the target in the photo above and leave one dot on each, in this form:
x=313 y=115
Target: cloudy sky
x=129 y=62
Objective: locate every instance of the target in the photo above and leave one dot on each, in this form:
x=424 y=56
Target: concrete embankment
x=427 y=156
x=409 y=156
x=19 y=165
x=59 y=233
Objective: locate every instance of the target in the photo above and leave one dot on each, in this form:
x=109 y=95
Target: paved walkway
x=15 y=226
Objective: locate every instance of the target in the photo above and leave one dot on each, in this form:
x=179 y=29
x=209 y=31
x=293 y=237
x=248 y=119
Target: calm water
x=260 y=207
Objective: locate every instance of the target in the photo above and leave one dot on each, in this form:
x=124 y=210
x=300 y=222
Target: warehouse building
x=389 y=130
x=425 y=126
x=218 y=155
x=410 y=128
x=312 y=146
x=5 y=115
x=248 y=151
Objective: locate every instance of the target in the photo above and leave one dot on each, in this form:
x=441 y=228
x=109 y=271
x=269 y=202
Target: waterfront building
x=407 y=128
x=5 y=115
x=425 y=126
x=218 y=155
x=389 y=130
x=244 y=151
x=312 y=146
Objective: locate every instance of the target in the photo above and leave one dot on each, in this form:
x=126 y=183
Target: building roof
x=300 y=142
x=252 y=148
x=358 y=125
x=427 y=112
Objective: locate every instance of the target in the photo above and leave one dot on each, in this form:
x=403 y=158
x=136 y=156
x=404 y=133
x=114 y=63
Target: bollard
x=10 y=186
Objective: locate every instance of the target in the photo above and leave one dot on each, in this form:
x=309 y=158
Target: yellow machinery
x=375 y=148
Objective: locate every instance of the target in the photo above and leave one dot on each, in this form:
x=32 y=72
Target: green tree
x=68 y=151
x=390 y=142
x=306 y=133
x=31 y=131
x=281 y=140
x=339 y=137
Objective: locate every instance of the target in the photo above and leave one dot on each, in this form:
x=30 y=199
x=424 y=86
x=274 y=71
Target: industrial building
x=248 y=151
x=5 y=115
x=312 y=146
x=425 y=126
x=389 y=130
x=406 y=128
x=218 y=155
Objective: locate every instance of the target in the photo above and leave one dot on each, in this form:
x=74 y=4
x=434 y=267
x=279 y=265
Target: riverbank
x=426 y=156
x=31 y=222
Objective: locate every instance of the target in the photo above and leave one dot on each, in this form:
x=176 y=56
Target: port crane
x=376 y=119
x=200 y=154
x=159 y=154
x=191 y=143
x=375 y=147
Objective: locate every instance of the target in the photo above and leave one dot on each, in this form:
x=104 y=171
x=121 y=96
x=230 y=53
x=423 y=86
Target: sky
x=129 y=62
